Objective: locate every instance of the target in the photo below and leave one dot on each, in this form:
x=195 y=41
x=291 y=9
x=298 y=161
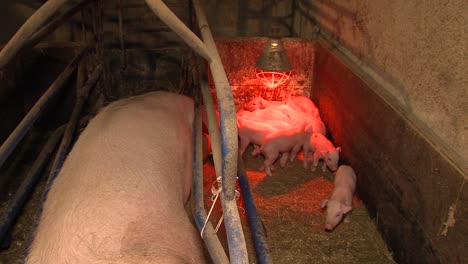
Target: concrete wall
x=416 y=194
x=417 y=48
x=250 y=18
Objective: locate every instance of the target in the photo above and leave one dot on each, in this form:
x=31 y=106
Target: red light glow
x=271 y=78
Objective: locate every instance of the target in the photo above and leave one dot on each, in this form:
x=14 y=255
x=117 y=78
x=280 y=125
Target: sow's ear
x=324 y=203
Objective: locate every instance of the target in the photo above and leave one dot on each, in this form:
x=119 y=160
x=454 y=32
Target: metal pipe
x=28 y=29
x=213 y=245
x=229 y=143
x=174 y=23
x=17 y=135
x=229 y=207
x=255 y=222
x=226 y=106
x=82 y=96
x=213 y=127
x=17 y=202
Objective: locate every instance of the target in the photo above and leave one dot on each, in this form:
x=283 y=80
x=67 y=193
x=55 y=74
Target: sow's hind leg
x=120 y=196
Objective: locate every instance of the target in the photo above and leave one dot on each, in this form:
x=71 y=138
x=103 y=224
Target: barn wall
x=418 y=50
x=416 y=193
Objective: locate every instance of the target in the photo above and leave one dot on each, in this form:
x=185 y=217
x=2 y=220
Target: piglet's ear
x=338 y=149
x=346 y=208
x=261 y=104
x=324 y=203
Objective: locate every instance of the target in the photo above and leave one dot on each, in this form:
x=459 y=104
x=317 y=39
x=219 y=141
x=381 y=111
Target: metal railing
x=43 y=22
x=223 y=138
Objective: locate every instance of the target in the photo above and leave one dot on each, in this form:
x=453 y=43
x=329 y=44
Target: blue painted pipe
x=229 y=142
x=23 y=127
x=212 y=243
x=255 y=222
x=26 y=187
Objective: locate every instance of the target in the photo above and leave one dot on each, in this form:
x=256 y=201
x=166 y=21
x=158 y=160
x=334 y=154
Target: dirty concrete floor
x=289 y=205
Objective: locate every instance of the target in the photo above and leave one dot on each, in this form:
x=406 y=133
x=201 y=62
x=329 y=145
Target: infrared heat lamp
x=273 y=66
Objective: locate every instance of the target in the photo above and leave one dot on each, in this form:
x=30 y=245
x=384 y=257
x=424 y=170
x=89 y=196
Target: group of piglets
x=285 y=128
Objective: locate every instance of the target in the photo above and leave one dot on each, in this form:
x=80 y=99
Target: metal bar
x=25 y=34
x=229 y=143
x=16 y=204
x=173 y=22
x=212 y=243
x=225 y=104
x=213 y=127
x=82 y=96
x=255 y=222
x=17 y=135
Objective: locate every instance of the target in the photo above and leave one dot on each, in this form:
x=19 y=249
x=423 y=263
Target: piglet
x=303 y=104
x=253 y=116
x=260 y=103
x=287 y=142
x=322 y=149
x=270 y=114
x=251 y=132
x=341 y=200
x=316 y=123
